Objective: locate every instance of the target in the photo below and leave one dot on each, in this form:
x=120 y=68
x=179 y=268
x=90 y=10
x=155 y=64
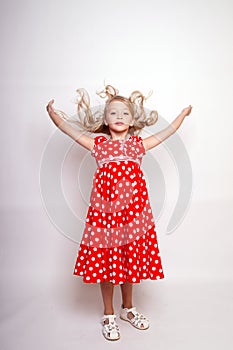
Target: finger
x=50 y=105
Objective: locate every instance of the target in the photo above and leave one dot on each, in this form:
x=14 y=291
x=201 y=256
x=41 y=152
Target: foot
x=110 y=327
x=135 y=318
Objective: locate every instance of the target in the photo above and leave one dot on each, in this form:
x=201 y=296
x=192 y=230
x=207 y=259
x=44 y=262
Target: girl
x=119 y=243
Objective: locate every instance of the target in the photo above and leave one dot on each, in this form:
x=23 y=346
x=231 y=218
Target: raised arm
x=156 y=139
x=77 y=135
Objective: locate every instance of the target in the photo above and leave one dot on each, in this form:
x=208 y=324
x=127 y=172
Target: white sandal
x=110 y=330
x=139 y=321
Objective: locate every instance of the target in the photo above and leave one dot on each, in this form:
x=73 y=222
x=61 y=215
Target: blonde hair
x=93 y=121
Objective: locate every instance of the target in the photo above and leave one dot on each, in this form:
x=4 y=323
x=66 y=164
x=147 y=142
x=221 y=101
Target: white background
x=183 y=51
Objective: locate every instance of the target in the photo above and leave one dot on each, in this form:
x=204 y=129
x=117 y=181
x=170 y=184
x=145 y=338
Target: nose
x=119 y=116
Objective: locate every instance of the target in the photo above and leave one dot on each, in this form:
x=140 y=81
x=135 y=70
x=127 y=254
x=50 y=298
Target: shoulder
x=135 y=138
x=138 y=142
x=97 y=140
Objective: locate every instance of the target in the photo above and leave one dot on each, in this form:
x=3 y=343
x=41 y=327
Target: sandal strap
x=111 y=318
x=112 y=322
x=138 y=318
x=132 y=309
x=111 y=327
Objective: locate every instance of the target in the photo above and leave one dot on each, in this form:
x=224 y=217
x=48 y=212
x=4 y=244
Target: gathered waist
x=108 y=160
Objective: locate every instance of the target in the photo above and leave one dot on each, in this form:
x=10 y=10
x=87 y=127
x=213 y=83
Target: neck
x=118 y=136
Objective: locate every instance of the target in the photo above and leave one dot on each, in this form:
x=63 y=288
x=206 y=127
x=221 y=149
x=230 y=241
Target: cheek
x=107 y=118
x=130 y=119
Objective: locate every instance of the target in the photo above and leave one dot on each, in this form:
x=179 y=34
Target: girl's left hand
x=49 y=107
x=186 y=111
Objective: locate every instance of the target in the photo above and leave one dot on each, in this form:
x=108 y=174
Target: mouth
x=119 y=123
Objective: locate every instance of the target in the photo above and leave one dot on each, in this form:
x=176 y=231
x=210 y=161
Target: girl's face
x=118 y=116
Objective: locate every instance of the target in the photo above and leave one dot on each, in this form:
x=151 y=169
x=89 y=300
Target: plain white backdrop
x=183 y=51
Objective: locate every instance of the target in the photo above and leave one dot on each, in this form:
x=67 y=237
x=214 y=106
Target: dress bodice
x=108 y=150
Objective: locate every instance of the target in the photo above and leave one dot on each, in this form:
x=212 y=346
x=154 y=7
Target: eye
x=127 y=113
x=113 y=113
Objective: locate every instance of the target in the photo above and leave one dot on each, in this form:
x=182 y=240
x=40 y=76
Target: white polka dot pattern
x=119 y=242
x=118 y=150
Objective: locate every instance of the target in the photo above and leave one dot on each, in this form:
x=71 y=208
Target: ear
x=105 y=122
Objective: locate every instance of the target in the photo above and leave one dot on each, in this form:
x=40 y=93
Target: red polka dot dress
x=119 y=242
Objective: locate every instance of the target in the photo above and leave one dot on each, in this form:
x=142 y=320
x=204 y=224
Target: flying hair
x=93 y=121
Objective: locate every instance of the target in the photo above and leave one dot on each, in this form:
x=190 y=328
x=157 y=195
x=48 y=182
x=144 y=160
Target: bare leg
x=127 y=291
x=107 y=289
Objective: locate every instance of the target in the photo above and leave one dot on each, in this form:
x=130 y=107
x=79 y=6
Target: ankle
x=106 y=321
x=127 y=305
x=108 y=312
